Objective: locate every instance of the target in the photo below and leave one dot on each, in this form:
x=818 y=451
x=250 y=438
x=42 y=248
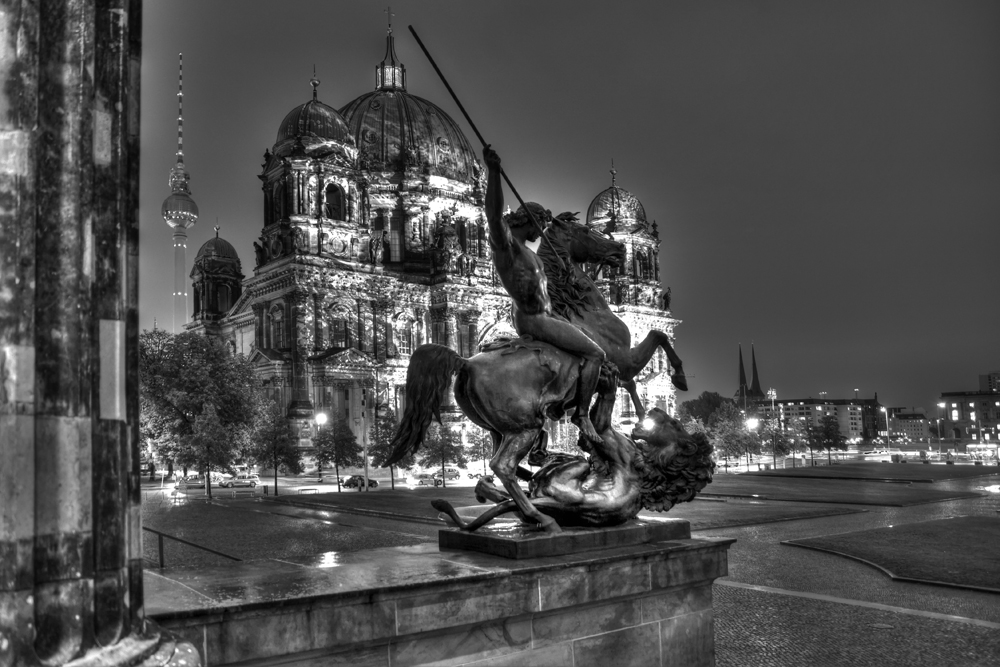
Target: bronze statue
x=523 y=275
x=510 y=389
x=659 y=466
x=571 y=346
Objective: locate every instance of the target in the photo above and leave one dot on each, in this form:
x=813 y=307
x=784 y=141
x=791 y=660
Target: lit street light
x=752 y=423
x=320 y=419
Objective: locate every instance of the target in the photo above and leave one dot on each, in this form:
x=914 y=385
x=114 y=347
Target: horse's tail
x=427 y=380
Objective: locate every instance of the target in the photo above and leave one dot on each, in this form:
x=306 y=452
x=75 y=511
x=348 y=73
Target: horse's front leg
x=513 y=448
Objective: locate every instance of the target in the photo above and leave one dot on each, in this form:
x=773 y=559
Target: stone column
x=70 y=533
x=300 y=407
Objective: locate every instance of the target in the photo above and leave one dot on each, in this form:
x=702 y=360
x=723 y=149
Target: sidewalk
x=780 y=605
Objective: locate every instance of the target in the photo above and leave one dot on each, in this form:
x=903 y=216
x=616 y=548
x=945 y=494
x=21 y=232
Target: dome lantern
x=390 y=73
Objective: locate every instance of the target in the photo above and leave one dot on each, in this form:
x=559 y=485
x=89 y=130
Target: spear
x=541 y=230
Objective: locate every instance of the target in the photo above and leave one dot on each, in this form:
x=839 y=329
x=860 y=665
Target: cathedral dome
x=313 y=122
x=395 y=130
x=216 y=248
x=619 y=202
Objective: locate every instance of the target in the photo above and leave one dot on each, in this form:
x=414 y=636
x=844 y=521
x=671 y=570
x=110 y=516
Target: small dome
x=619 y=201
x=216 y=248
x=314 y=120
x=179 y=210
x=394 y=129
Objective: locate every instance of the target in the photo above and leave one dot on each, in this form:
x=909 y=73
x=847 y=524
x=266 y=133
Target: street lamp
x=320 y=419
x=752 y=423
x=886 y=426
x=940 y=409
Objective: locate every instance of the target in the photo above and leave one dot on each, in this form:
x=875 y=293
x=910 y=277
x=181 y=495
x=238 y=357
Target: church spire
x=390 y=73
x=741 y=393
x=756 y=393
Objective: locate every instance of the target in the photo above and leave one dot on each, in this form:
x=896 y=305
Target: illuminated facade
x=374 y=241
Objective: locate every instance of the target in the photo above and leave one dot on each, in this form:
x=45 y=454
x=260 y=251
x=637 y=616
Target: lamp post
x=320 y=419
x=752 y=423
x=883 y=409
x=940 y=410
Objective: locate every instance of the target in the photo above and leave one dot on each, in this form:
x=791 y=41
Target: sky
x=825 y=176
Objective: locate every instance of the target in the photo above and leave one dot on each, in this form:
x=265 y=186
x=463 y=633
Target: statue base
x=648 y=604
x=511 y=538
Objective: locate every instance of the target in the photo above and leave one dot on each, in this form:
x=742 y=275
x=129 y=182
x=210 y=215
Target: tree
x=206 y=446
x=776 y=437
x=274 y=443
x=703 y=407
x=826 y=435
x=338 y=445
x=479 y=445
x=178 y=376
x=380 y=436
x=441 y=446
x=729 y=433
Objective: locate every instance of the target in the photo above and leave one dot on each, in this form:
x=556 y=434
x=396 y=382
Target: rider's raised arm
x=500 y=237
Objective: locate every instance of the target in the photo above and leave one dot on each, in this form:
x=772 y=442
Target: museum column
x=70 y=540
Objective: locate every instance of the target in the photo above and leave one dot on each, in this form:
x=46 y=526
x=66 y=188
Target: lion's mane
x=667 y=480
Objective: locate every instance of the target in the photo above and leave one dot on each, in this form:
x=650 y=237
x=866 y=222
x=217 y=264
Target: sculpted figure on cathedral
x=665 y=299
x=260 y=254
x=376 y=246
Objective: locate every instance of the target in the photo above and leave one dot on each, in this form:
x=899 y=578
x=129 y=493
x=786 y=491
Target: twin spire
x=753 y=392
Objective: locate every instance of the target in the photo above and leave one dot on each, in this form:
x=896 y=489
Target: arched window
x=277 y=202
x=334 y=209
x=277 y=328
x=225 y=303
x=340 y=328
x=404 y=336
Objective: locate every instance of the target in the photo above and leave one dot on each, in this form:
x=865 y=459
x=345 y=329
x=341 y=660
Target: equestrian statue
x=570 y=347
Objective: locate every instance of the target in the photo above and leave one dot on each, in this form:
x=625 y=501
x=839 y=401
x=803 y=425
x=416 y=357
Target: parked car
x=191 y=482
x=448 y=474
x=424 y=479
x=357 y=480
x=241 y=479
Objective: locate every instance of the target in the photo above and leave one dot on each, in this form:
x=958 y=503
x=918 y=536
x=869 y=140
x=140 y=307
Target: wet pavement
x=780 y=605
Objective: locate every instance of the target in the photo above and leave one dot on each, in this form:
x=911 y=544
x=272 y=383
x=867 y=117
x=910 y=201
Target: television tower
x=179 y=210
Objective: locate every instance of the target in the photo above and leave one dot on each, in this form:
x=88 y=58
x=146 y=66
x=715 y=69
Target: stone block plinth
x=648 y=604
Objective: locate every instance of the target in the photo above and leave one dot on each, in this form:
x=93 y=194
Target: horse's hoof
x=679 y=381
x=480 y=499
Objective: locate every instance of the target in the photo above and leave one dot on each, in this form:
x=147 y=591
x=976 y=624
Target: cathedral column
x=70 y=534
x=298 y=311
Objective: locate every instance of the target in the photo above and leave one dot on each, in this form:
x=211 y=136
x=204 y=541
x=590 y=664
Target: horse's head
x=585 y=244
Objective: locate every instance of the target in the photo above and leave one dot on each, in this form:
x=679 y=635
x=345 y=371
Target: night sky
x=825 y=175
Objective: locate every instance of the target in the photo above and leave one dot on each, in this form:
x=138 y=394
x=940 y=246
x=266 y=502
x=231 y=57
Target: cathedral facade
x=374 y=241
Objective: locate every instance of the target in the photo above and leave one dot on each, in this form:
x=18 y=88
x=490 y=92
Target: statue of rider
x=523 y=276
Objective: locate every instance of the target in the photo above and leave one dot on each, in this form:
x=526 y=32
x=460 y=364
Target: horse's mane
x=667 y=480
x=568 y=294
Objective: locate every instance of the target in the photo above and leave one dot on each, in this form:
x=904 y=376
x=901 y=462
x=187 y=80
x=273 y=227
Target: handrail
x=159 y=544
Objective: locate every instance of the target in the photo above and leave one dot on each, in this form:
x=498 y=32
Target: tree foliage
x=704 y=407
x=338 y=445
x=179 y=375
x=729 y=433
x=380 y=436
x=274 y=443
x=441 y=446
x=826 y=435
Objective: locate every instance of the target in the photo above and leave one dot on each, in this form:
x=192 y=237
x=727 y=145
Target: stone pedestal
x=648 y=604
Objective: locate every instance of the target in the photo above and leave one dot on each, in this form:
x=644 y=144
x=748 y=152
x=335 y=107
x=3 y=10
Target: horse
x=576 y=297
x=510 y=389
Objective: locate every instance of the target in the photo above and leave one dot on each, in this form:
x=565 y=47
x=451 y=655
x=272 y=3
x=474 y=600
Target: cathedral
x=374 y=241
